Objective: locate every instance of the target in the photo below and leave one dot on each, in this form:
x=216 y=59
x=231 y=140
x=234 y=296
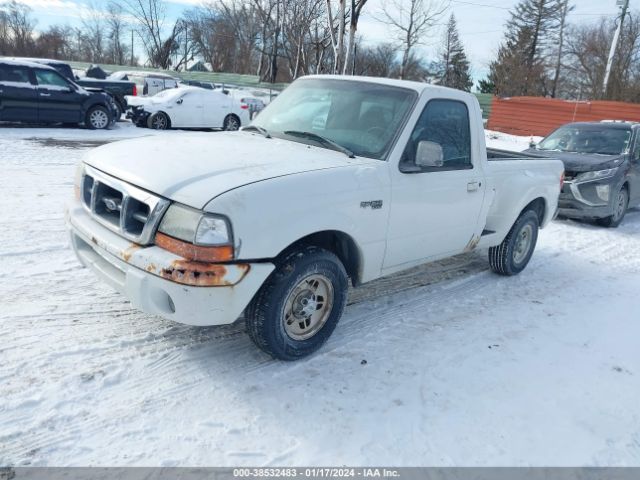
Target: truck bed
x=495 y=154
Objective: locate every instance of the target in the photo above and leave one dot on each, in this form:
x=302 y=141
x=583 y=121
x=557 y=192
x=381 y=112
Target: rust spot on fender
x=126 y=254
x=201 y=274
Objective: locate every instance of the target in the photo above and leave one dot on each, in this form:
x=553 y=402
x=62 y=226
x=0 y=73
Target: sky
x=480 y=22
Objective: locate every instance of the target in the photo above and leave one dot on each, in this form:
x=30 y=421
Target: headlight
x=78 y=179
x=195 y=227
x=588 y=176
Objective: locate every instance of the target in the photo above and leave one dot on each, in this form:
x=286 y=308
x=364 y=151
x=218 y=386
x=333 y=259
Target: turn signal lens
x=196 y=253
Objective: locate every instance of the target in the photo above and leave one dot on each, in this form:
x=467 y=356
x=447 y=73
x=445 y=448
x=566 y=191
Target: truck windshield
x=596 y=139
x=359 y=116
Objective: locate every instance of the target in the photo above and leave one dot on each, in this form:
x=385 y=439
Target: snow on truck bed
x=443 y=365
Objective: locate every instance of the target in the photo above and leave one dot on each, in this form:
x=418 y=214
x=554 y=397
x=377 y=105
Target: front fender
x=270 y=215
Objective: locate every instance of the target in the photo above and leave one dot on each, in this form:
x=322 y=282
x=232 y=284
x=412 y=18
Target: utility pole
x=186 y=46
x=132 y=47
x=616 y=36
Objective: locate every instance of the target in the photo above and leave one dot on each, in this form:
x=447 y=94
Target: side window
x=49 y=78
x=446 y=124
x=14 y=74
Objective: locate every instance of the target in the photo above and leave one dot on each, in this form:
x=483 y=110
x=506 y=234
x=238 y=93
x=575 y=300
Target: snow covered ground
x=443 y=365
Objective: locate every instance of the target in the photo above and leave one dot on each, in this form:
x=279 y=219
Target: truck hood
x=582 y=162
x=194 y=168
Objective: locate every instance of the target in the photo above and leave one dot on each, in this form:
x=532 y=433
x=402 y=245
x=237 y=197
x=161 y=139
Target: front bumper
x=581 y=200
x=154 y=280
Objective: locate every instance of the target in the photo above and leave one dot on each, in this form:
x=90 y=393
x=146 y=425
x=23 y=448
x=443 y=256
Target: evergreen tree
x=486 y=86
x=452 y=69
x=520 y=68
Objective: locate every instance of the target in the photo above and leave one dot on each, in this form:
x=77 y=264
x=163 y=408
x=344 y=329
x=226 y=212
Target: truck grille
x=132 y=212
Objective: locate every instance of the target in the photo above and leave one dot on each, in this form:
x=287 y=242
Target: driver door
x=58 y=100
x=187 y=110
x=435 y=209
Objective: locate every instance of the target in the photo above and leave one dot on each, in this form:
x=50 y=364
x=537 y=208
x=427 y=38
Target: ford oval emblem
x=110 y=203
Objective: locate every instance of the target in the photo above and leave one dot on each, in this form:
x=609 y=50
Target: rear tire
x=159 y=121
x=119 y=112
x=231 y=123
x=299 y=305
x=97 y=118
x=621 y=204
x=515 y=251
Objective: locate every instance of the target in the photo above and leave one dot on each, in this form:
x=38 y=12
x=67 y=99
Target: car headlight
x=195 y=235
x=195 y=227
x=598 y=174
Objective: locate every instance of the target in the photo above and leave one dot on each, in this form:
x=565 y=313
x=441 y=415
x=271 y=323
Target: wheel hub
x=308 y=307
x=523 y=244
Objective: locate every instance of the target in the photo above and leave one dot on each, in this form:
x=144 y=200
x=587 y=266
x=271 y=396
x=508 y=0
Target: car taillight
x=135 y=90
x=562 y=180
x=244 y=106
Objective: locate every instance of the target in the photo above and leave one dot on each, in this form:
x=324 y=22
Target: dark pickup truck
x=38 y=94
x=118 y=89
x=602 y=169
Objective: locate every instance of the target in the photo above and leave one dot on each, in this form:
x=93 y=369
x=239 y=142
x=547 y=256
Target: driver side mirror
x=429 y=155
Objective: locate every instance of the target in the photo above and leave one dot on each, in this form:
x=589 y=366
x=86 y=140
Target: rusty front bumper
x=161 y=283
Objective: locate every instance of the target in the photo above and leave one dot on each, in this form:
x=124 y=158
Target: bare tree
x=587 y=49
x=18 y=27
x=378 y=61
x=151 y=17
x=337 y=23
x=411 y=20
x=562 y=10
x=117 y=49
x=4 y=32
x=356 y=10
x=94 y=32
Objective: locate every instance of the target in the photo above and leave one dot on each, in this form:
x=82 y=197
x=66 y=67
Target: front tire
x=158 y=121
x=299 y=305
x=97 y=118
x=620 y=206
x=231 y=123
x=515 y=251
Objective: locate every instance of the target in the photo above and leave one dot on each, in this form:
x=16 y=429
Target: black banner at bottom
x=242 y=473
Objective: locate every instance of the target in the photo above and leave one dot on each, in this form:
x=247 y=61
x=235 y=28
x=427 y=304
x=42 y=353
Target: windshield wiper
x=262 y=131
x=322 y=140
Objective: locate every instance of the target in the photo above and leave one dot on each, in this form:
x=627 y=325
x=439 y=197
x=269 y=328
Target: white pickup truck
x=340 y=178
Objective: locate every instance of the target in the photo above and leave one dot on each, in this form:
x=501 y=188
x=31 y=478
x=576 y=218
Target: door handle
x=473 y=186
